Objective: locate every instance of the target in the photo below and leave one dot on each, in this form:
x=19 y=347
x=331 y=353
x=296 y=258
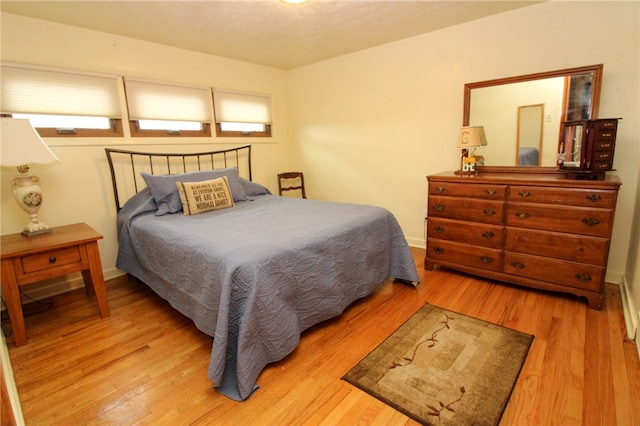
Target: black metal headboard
x=125 y=166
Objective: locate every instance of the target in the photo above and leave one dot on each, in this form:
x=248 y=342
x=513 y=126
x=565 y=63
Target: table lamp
x=470 y=137
x=20 y=146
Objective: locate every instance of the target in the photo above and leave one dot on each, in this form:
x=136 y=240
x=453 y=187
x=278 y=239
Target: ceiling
x=266 y=32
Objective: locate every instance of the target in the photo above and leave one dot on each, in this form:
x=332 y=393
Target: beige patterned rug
x=445 y=368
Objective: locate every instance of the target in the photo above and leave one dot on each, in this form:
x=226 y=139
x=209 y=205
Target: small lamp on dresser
x=20 y=146
x=470 y=137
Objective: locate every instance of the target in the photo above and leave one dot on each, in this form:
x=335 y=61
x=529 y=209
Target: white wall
x=371 y=125
x=78 y=189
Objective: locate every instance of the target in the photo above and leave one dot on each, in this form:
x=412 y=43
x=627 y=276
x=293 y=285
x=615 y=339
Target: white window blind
x=39 y=91
x=239 y=107
x=157 y=101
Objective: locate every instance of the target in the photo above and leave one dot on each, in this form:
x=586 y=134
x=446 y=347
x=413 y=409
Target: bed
x=253 y=275
x=528 y=157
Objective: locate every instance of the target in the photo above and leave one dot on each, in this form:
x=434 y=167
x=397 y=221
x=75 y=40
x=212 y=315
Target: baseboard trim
x=631 y=313
x=417 y=243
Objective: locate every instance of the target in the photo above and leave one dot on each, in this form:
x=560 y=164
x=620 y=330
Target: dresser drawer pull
x=488 y=235
x=524 y=194
x=488 y=212
x=593 y=197
x=583 y=277
x=438 y=229
x=52 y=259
x=438 y=207
x=590 y=221
x=438 y=250
x=491 y=192
x=440 y=189
x=517 y=265
x=522 y=215
x=486 y=259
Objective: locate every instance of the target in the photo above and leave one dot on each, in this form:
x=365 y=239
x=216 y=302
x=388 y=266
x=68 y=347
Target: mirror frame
x=597 y=71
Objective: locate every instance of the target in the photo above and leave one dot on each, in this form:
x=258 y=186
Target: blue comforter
x=257 y=275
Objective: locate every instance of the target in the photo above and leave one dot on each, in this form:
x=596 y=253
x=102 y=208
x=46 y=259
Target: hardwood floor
x=147 y=364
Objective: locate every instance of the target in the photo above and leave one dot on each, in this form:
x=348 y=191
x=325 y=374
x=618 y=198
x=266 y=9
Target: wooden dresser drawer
x=603 y=145
x=611 y=124
x=576 y=248
x=473 y=256
x=480 y=234
x=577 y=275
x=469 y=209
x=575 y=220
x=51 y=259
x=570 y=196
x=601 y=165
x=603 y=156
x=483 y=191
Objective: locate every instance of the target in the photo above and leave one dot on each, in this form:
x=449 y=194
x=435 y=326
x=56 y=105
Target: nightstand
x=26 y=260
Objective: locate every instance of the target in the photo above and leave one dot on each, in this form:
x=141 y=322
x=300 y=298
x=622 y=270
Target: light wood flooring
x=147 y=364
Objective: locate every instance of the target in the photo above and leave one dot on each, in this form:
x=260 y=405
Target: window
x=162 y=109
x=242 y=114
x=62 y=103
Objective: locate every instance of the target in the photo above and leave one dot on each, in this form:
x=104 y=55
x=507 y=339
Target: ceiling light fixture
x=294 y=1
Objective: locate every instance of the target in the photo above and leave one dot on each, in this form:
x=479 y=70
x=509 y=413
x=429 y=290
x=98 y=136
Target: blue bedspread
x=257 y=275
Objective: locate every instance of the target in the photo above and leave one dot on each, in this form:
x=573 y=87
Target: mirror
x=568 y=94
x=529 y=142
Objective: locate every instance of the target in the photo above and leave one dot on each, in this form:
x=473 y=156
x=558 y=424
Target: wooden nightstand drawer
x=51 y=259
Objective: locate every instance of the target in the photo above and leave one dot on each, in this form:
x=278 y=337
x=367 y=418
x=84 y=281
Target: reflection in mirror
x=571 y=146
x=530 y=129
x=567 y=94
x=579 y=98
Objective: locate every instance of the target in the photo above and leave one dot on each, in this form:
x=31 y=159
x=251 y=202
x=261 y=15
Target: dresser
x=535 y=228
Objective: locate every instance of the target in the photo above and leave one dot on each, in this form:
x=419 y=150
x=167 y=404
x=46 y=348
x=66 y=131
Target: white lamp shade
x=471 y=136
x=20 y=144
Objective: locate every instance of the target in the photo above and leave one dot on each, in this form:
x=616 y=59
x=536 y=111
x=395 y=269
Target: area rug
x=445 y=368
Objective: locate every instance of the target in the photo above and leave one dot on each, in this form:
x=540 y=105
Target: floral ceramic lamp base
x=28 y=195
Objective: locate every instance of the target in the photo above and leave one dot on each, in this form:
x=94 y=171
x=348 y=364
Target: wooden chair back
x=291 y=181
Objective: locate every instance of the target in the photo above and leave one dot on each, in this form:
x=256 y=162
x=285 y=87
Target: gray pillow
x=252 y=188
x=165 y=193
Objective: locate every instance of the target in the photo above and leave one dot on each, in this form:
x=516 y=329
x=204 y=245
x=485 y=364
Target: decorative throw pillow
x=200 y=197
x=164 y=191
x=252 y=188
